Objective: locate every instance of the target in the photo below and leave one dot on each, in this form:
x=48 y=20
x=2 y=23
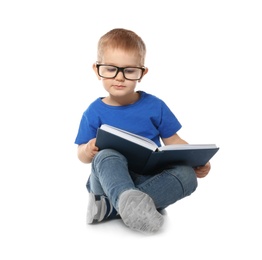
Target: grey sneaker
x=99 y=208
x=138 y=211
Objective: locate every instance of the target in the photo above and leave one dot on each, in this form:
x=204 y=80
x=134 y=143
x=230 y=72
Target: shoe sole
x=138 y=212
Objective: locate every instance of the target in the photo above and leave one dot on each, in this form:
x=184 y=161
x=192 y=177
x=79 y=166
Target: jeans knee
x=190 y=179
x=105 y=155
x=187 y=177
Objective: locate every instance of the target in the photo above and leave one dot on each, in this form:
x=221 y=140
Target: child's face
x=119 y=86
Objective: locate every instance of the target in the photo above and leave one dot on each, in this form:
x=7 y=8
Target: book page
x=186 y=147
x=143 y=141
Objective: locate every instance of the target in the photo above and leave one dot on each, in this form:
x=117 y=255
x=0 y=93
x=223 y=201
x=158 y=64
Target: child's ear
x=145 y=72
x=95 y=70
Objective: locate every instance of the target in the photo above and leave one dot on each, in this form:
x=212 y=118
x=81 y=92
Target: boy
x=114 y=190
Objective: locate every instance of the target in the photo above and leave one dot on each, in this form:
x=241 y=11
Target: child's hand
x=87 y=151
x=202 y=171
x=91 y=150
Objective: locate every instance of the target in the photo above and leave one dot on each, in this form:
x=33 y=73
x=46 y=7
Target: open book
x=145 y=157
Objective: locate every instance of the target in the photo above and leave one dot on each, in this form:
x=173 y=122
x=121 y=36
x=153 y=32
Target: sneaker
x=138 y=211
x=99 y=209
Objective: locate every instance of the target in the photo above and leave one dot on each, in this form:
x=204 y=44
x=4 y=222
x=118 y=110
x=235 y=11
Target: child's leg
x=107 y=179
x=110 y=178
x=168 y=186
x=110 y=175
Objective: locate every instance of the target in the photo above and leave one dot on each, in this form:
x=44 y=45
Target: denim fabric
x=110 y=176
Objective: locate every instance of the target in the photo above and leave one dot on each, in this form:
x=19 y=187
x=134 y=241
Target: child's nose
x=120 y=76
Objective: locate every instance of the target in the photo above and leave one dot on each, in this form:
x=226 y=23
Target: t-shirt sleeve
x=85 y=131
x=169 y=124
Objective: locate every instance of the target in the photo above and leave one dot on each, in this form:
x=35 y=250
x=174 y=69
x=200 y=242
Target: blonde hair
x=122 y=39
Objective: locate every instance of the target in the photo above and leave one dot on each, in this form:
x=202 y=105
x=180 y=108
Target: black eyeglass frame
x=122 y=69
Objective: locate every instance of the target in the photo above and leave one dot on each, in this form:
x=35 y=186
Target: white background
x=204 y=60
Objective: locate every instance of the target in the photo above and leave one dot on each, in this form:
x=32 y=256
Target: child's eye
x=129 y=70
x=111 y=69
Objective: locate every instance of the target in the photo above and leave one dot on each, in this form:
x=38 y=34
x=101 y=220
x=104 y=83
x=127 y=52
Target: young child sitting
x=114 y=190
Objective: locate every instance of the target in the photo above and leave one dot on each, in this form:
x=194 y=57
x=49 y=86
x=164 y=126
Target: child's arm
x=176 y=139
x=87 y=151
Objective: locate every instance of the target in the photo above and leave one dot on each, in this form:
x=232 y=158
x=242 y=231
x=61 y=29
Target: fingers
x=202 y=171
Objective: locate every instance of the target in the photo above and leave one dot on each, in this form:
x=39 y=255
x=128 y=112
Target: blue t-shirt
x=149 y=117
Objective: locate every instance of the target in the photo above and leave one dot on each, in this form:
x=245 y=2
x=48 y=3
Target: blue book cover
x=143 y=155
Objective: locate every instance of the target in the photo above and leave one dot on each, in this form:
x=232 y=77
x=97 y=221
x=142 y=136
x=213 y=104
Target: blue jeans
x=110 y=176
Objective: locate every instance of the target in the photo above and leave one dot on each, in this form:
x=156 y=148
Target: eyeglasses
x=110 y=71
